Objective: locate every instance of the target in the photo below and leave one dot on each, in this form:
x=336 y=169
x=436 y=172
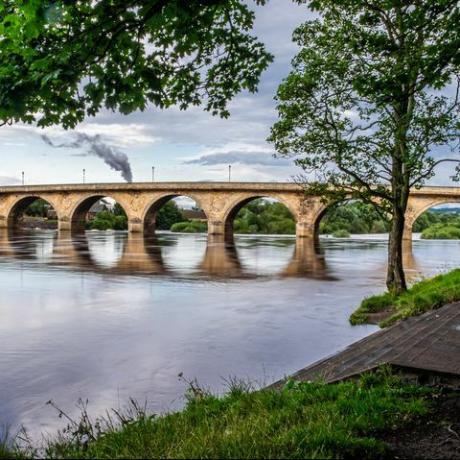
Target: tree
x=118 y=210
x=39 y=208
x=63 y=60
x=168 y=215
x=364 y=107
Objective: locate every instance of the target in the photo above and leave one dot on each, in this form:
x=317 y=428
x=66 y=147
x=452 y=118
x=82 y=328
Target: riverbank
x=302 y=420
x=432 y=293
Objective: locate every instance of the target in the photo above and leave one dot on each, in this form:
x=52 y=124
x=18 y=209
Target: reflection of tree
x=411 y=266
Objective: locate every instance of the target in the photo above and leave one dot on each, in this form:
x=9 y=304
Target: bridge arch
x=235 y=206
x=79 y=212
x=324 y=208
x=417 y=207
x=19 y=206
x=154 y=205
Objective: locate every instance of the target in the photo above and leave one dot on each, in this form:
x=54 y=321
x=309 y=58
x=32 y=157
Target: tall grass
x=303 y=420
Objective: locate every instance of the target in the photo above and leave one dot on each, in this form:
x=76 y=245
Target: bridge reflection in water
x=120 y=253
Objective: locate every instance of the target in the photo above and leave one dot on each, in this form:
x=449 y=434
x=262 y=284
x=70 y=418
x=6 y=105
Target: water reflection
x=108 y=316
x=221 y=259
x=119 y=253
x=308 y=260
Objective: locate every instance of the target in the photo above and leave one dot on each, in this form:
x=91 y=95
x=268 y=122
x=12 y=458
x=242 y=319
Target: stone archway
x=418 y=205
x=152 y=207
x=78 y=214
x=234 y=205
x=18 y=207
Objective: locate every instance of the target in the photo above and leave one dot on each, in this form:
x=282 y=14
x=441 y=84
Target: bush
x=341 y=233
x=193 y=226
x=262 y=217
x=168 y=215
x=441 y=232
x=107 y=220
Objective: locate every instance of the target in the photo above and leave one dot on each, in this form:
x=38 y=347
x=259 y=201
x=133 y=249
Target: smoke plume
x=96 y=146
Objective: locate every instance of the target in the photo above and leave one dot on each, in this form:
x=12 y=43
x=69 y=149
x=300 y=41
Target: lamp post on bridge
x=22 y=177
x=229 y=173
x=84 y=175
x=153 y=173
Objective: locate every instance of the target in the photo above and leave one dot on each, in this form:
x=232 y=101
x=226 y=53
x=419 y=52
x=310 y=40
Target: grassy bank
x=426 y=295
x=303 y=420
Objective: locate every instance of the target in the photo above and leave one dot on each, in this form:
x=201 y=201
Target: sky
x=181 y=145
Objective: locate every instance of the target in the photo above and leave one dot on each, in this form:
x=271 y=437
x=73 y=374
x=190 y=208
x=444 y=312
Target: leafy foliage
x=363 y=108
x=438 y=225
x=192 y=226
x=261 y=216
x=39 y=208
x=354 y=217
x=65 y=60
x=168 y=215
x=442 y=232
x=108 y=220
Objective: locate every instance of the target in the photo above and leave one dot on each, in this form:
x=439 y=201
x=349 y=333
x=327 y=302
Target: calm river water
x=107 y=316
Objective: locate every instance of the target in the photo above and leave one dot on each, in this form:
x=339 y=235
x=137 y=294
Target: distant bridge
x=220 y=201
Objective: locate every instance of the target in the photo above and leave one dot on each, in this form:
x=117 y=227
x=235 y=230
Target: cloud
x=8 y=180
x=249 y=158
x=239 y=153
x=123 y=135
x=117 y=160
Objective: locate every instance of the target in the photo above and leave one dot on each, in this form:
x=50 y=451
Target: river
x=107 y=316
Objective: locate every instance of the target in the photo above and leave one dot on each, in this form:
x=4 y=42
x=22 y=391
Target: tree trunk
x=396 y=279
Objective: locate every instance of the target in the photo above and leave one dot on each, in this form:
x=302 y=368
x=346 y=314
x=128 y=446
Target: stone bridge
x=220 y=201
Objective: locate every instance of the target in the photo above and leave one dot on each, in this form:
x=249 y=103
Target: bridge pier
x=64 y=224
x=135 y=225
x=216 y=228
x=305 y=230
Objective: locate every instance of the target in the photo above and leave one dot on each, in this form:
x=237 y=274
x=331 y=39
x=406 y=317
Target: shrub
x=341 y=233
x=193 y=226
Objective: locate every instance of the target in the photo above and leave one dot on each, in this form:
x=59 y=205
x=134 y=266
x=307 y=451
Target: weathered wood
x=429 y=343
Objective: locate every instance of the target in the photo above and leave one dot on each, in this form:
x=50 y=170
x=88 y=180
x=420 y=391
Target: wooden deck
x=426 y=344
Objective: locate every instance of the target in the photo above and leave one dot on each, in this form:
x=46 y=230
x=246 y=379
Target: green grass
x=425 y=295
x=303 y=420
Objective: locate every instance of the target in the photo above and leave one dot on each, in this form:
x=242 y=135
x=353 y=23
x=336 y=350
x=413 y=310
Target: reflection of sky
x=105 y=248
x=67 y=334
